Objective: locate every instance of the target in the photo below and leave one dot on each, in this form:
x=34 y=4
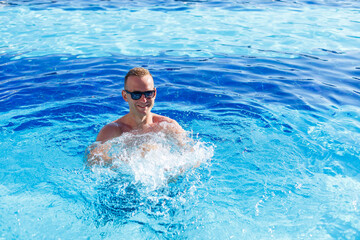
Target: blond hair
x=138 y=71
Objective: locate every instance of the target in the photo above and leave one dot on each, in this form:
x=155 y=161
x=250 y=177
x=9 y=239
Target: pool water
x=267 y=90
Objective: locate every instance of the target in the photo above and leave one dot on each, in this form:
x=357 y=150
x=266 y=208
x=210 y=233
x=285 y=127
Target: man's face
x=143 y=105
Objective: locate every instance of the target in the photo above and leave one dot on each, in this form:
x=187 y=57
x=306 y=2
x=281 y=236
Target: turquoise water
x=268 y=91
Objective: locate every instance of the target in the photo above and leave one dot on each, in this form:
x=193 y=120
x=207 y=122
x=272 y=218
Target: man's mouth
x=143 y=106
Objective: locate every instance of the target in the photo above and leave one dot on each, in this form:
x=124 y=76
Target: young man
x=140 y=93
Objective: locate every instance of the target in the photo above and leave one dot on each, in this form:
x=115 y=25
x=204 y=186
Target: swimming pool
x=268 y=90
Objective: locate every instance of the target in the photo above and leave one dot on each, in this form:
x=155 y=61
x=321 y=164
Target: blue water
x=268 y=91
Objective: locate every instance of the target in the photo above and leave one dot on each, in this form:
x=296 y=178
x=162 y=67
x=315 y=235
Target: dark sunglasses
x=137 y=95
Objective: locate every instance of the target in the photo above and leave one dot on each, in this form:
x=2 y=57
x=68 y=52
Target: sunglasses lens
x=149 y=94
x=136 y=96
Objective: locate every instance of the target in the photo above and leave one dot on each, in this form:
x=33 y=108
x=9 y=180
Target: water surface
x=268 y=90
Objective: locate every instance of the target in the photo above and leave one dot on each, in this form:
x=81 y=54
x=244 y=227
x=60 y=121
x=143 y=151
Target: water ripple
x=286 y=135
x=195 y=30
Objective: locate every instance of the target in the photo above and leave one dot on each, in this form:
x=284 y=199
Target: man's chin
x=143 y=110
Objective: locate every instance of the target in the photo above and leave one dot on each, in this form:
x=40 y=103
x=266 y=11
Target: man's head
x=139 y=91
x=138 y=72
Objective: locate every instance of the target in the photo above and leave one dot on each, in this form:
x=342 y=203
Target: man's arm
x=98 y=152
x=181 y=137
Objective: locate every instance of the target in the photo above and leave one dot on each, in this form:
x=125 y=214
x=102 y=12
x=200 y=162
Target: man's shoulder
x=111 y=126
x=112 y=130
x=167 y=123
x=159 y=118
x=109 y=131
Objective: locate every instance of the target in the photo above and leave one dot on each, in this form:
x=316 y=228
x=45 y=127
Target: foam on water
x=155 y=159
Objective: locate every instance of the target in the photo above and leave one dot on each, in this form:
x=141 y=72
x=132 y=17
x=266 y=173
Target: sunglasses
x=137 y=95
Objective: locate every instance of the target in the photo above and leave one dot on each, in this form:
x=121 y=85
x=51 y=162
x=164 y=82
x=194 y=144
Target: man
x=140 y=93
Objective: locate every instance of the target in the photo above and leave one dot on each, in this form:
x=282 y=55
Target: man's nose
x=143 y=98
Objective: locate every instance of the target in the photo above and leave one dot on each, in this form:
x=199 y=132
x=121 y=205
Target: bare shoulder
x=173 y=125
x=158 y=119
x=109 y=131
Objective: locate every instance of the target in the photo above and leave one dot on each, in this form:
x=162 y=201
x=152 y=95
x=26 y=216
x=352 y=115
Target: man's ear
x=155 y=92
x=124 y=95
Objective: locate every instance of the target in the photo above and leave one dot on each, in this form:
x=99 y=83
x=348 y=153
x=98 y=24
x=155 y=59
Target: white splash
x=155 y=159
